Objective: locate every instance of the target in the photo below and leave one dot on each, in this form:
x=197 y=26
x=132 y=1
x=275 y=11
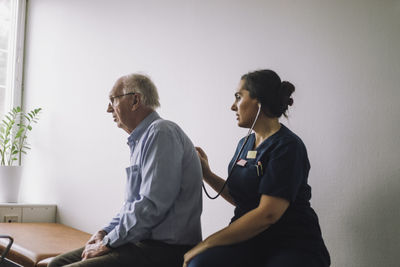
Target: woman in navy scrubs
x=273 y=223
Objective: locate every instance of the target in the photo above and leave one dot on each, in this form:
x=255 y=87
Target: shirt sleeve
x=110 y=226
x=285 y=170
x=161 y=173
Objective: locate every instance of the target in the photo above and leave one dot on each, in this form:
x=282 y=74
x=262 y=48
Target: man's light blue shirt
x=163 y=198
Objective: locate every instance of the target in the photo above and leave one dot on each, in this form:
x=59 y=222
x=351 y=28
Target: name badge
x=241 y=162
x=251 y=154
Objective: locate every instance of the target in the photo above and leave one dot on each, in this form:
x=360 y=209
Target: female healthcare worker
x=273 y=223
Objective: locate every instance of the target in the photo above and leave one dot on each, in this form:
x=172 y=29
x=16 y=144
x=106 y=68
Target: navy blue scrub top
x=282 y=171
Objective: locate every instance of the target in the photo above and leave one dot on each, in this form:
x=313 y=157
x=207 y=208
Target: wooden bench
x=36 y=243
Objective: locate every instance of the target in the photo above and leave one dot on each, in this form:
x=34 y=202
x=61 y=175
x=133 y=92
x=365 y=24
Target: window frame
x=15 y=58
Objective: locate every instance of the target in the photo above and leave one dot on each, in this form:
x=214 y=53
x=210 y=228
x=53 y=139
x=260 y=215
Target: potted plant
x=14 y=129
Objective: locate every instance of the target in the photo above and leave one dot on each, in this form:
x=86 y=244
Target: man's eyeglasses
x=117 y=96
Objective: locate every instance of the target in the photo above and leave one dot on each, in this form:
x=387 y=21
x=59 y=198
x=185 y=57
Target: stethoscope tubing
x=236 y=159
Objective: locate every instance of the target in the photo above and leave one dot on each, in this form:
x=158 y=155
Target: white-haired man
x=160 y=218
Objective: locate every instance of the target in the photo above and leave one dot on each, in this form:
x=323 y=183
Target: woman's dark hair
x=273 y=94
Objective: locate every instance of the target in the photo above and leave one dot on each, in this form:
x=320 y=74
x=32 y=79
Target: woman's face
x=244 y=106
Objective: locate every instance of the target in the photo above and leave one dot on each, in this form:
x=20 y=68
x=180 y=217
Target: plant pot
x=10 y=180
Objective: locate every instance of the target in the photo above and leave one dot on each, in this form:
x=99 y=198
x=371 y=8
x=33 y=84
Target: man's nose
x=234 y=107
x=110 y=108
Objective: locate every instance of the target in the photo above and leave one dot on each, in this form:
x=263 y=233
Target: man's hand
x=94 y=250
x=97 y=237
x=94 y=247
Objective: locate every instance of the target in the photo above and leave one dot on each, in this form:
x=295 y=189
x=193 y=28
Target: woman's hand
x=216 y=182
x=204 y=161
x=193 y=253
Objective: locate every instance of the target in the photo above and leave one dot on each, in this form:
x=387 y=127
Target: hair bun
x=287 y=87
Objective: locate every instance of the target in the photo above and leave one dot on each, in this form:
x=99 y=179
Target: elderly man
x=160 y=218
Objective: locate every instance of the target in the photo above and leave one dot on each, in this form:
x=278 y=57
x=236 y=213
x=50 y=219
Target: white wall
x=343 y=57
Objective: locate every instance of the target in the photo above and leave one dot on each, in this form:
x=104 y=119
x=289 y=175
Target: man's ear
x=136 y=102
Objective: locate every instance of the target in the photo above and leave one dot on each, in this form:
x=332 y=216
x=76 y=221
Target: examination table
x=36 y=243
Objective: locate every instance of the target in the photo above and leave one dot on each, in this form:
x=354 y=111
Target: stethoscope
x=237 y=157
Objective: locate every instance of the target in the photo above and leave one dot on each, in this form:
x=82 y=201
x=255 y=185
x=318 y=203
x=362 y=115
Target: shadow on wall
x=376 y=223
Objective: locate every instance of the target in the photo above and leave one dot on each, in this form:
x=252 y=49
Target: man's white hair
x=139 y=83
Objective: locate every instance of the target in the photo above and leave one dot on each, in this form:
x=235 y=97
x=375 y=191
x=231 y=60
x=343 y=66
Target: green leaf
x=13 y=133
x=20 y=131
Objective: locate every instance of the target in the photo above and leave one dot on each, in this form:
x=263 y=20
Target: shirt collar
x=139 y=130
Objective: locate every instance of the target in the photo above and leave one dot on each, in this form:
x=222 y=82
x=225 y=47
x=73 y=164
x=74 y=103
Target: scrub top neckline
x=266 y=141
